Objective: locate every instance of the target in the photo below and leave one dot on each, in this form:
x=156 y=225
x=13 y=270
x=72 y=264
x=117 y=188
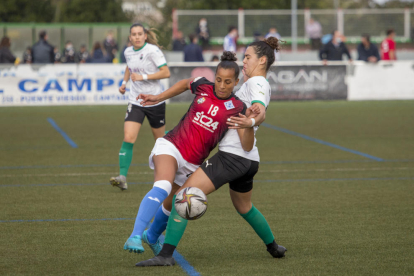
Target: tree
x=93 y=11
x=26 y=11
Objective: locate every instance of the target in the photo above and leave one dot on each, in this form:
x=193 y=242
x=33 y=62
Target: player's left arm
x=163 y=73
x=246 y=136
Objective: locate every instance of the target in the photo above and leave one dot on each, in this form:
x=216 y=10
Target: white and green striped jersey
x=254 y=90
x=146 y=60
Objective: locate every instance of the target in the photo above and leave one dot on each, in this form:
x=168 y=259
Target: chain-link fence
x=352 y=23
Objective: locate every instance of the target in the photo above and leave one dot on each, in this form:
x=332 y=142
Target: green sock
x=258 y=222
x=125 y=158
x=175 y=227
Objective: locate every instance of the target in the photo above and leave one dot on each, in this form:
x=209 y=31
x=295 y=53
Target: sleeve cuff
x=260 y=102
x=165 y=64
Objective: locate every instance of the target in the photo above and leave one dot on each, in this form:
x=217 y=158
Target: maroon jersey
x=204 y=124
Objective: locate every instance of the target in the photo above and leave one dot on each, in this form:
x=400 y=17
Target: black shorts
x=225 y=167
x=155 y=114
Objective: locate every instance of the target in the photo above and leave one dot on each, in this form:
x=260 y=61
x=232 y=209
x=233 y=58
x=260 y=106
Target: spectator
x=69 y=53
x=314 y=32
x=274 y=33
x=257 y=36
x=367 y=51
x=42 y=51
x=203 y=33
x=27 y=55
x=230 y=40
x=98 y=54
x=388 y=46
x=215 y=58
x=193 y=51
x=83 y=54
x=334 y=49
x=57 y=56
x=179 y=42
x=128 y=44
x=110 y=45
x=6 y=55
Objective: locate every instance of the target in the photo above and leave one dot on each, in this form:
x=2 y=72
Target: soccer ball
x=191 y=203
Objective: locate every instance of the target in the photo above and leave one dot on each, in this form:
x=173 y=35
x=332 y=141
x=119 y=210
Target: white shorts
x=185 y=169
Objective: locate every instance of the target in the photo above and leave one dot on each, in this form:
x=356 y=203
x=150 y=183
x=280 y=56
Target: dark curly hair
x=228 y=61
x=267 y=48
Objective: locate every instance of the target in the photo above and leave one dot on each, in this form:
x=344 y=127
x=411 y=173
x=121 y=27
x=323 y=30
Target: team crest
x=142 y=55
x=229 y=105
x=129 y=107
x=201 y=100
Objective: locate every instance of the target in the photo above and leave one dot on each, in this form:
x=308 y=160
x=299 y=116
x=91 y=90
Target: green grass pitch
x=338 y=213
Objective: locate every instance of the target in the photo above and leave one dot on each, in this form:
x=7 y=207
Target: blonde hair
x=152 y=37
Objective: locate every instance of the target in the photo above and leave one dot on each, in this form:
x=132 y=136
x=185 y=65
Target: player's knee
x=129 y=138
x=163 y=184
x=243 y=207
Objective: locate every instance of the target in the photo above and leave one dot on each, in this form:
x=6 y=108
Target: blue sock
x=158 y=225
x=149 y=206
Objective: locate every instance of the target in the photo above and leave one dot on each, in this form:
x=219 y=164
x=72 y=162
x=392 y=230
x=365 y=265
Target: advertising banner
x=61 y=84
x=300 y=82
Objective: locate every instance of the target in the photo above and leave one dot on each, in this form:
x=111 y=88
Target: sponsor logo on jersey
x=141 y=57
x=229 y=105
x=261 y=86
x=204 y=94
x=261 y=93
x=201 y=100
x=129 y=107
x=205 y=121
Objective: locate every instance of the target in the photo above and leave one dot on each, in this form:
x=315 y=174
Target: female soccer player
x=232 y=164
x=176 y=156
x=146 y=65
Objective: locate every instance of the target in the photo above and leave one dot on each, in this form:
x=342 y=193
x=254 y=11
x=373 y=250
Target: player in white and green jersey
x=146 y=65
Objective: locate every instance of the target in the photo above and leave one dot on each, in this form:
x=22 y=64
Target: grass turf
x=338 y=213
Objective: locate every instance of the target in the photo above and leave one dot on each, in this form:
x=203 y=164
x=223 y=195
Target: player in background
x=388 y=46
x=179 y=153
x=146 y=65
x=232 y=164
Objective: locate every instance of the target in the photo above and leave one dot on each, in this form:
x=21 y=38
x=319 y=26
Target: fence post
x=62 y=38
x=340 y=21
x=120 y=43
x=240 y=21
x=294 y=24
x=307 y=18
x=407 y=20
x=90 y=36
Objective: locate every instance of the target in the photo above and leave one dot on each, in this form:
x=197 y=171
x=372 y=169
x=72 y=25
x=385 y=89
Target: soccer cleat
x=157 y=261
x=277 y=251
x=119 y=181
x=134 y=244
x=155 y=247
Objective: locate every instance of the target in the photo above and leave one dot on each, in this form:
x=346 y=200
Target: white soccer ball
x=191 y=203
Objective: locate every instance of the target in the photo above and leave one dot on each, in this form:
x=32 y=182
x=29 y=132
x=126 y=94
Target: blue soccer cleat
x=134 y=244
x=155 y=247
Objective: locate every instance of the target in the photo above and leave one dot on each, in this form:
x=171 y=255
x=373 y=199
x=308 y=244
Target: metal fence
x=352 y=23
x=23 y=35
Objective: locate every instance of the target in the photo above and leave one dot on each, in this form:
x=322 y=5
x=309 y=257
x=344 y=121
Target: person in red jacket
x=388 y=46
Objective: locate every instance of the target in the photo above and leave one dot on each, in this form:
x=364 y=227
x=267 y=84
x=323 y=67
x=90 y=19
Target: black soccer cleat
x=157 y=261
x=277 y=251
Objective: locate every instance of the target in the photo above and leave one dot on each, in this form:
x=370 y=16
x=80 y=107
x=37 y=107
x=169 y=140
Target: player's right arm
x=122 y=89
x=176 y=89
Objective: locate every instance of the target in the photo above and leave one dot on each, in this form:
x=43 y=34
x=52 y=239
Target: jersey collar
x=139 y=48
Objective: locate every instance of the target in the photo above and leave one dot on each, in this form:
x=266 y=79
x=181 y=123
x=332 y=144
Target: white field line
x=260 y=171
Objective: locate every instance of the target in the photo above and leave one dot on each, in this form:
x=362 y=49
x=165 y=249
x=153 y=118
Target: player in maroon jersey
x=176 y=156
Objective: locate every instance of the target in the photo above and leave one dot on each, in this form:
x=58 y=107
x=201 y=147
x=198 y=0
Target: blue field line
x=321 y=141
x=256 y=181
x=64 y=135
x=184 y=264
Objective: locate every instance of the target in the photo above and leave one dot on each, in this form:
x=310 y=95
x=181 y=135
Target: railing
x=352 y=23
